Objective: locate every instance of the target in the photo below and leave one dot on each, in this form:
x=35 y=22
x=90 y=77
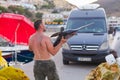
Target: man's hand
x=63 y=40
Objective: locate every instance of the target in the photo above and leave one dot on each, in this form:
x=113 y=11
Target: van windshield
x=99 y=25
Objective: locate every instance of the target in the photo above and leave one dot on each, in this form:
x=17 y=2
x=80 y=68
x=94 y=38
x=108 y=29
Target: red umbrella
x=15 y=28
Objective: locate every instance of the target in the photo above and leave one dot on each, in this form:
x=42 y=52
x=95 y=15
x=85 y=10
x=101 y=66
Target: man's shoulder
x=46 y=37
x=31 y=37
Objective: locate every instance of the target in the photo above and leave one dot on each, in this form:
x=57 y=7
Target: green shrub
x=3 y=9
x=45 y=6
x=58 y=21
x=50 y=5
x=39 y=15
x=21 y=10
x=55 y=11
x=17 y=9
x=28 y=13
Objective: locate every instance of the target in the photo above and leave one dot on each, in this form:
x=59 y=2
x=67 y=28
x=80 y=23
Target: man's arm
x=53 y=50
x=30 y=48
x=29 y=43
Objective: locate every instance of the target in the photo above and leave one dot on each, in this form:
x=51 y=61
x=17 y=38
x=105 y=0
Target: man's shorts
x=43 y=69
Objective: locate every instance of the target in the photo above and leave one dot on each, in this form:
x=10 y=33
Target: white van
x=91 y=44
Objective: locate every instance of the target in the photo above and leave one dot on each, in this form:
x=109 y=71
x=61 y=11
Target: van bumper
x=85 y=56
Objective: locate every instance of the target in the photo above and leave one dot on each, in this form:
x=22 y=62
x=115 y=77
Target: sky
x=80 y=3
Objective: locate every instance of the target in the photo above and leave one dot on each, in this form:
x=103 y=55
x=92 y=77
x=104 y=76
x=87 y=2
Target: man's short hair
x=37 y=24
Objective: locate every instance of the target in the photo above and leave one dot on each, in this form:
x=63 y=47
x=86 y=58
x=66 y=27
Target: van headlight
x=66 y=46
x=104 y=46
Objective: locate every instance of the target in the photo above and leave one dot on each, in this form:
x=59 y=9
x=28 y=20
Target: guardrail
x=53 y=29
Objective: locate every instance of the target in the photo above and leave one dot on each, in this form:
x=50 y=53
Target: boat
x=9 y=50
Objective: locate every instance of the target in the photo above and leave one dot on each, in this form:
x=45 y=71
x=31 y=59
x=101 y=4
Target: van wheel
x=65 y=62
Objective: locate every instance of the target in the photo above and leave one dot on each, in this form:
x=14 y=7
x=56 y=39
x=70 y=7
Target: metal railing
x=53 y=29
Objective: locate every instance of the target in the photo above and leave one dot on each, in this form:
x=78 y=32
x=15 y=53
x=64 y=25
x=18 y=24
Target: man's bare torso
x=37 y=44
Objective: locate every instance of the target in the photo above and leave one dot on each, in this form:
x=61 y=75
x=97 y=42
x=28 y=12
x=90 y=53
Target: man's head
x=38 y=25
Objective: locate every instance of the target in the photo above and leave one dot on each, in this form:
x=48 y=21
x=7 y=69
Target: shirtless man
x=43 y=50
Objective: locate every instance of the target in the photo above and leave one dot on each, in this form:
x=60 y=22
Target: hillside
x=112 y=7
x=61 y=3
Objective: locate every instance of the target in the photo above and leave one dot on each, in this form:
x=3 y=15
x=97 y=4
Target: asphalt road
x=74 y=71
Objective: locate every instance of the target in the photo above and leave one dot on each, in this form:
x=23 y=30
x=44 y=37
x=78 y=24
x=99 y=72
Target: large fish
x=67 y=33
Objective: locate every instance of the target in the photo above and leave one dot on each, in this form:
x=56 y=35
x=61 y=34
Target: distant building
x=62 y=4
x=28 y=6
x=23 y=3
x=37 y=2
x=49 y=18
x=65 y=15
